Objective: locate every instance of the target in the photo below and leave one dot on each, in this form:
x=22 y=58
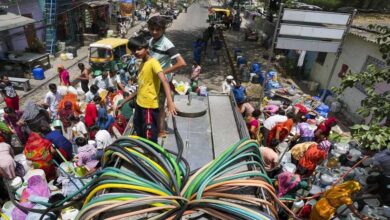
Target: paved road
x=180 y=32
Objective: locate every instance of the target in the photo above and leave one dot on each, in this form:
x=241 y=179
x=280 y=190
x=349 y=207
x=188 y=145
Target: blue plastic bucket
x=256 y=68
x=38 y=73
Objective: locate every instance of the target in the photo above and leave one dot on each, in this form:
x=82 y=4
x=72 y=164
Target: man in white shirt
x=102 y=81
x=270 y=122
x=228 y=84
x=79 y=129
x=114 y=81
x=93 y=91
x=52 y=99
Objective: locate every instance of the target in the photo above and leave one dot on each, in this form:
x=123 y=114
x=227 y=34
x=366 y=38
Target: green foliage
x=375 y=137
x=375 y=106
x=361 y=4
x=383 y=40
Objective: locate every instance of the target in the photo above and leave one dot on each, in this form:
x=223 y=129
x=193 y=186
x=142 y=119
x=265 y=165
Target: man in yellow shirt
x=146 y=104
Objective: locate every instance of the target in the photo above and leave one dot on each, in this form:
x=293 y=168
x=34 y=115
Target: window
x=98 y=52
x=119 y=52
x=321 y=57
x=380 y=64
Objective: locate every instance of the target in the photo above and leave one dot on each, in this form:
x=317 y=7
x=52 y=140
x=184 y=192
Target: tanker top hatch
x=206 y=125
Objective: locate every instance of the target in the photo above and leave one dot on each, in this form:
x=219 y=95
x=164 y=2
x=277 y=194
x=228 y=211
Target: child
x=195 y=72
x=164 y=51
x=146 y=104
x=253 y=124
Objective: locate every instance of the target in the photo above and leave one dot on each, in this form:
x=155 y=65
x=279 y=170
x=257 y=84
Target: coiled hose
x=154 y=183
x=140 y=179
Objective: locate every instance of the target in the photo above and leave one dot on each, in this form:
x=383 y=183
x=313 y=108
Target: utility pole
x=271 y=52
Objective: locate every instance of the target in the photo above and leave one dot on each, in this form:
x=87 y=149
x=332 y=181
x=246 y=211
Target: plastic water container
x=256 y=68
x=323 y=110
x=38 y=73
x=289 y=167
x=63 y=57
x=69 y=56
x=241 y=60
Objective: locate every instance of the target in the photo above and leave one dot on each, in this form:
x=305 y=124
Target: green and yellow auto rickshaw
x=106 y=54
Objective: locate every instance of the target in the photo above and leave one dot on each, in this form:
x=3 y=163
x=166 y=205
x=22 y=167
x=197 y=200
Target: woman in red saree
x=70 y=97
x=91 y=115
x=119 y=126
x=38 y=150
x=324 y=128
x=312 y=157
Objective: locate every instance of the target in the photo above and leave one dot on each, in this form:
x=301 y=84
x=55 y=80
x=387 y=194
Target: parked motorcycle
x=143 y=31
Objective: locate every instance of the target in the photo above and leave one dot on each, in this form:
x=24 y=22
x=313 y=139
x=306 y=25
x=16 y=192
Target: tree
x=361 y=4
x=376 y=133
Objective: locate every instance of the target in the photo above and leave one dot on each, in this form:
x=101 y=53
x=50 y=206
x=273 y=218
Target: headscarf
x=284 y=129
x=90 y=115
x=103 y=139
x=70 y=97
x=87 y=157
x=326 y=126
x=66 y=113
x=120 y=128
x=287 y=181
x=299 y=150
x=36 y=186
x=37 y=150
x=331 y=120
x=351 y=185
x=324 y=145
x=60 y=67
x=104 y=120
x=312 y=158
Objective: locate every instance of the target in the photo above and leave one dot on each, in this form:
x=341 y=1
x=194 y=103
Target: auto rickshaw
x=216 y=14
x=106 y=54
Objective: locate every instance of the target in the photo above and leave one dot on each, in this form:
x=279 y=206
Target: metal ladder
x=50 y=18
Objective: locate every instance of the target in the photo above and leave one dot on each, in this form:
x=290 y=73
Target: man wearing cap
x=228 y=84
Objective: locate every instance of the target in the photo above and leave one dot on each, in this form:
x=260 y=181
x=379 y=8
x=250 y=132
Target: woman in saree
x=281 y=130
x=335 y=197
x=11 y=117
x=119 y=126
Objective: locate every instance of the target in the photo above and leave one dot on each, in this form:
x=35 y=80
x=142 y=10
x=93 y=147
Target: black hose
x=179 y=140
x=164 y=163
x=149 y=173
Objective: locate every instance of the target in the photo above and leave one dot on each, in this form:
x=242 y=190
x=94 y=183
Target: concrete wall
x=18 y=38
x=354 y=54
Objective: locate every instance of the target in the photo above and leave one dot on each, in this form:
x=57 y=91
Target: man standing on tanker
x=164 y=51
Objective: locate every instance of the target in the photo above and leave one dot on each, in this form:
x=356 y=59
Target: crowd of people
x=75 y=125
x=280 y=128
